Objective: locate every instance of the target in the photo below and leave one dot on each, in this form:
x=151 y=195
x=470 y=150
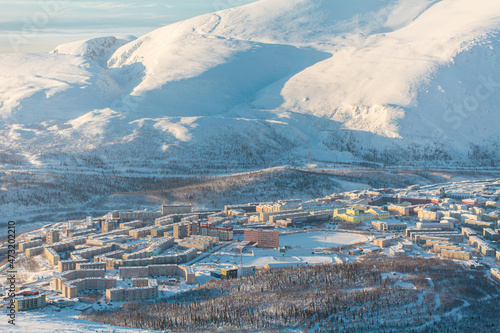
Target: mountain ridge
x=270 y=82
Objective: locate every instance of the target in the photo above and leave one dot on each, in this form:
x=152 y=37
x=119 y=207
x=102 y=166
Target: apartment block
x=482 y=246
x=28 y=245
x=440 y=225
x=164 y=220
x=52 y=236
x=221 y=233
x=131 y=224
x=91 y=265
x=29 y=303
x=115 y=263
x=134 y=293
x=51 y=255
x=454 y=254
x=468 y=232
x=59 y=281
x=263 y=238
x=108 y=226
x=137 y=215
x=491 y=234
x=478 y=225
x=69 y=265
x=180 y=231
x=495 y=274
x=91 y=252
x=246 y=271
x=389 y=226
x=176 y=209
x=70 y=289
x=33 y=251
x=189 y=243
x=448 y=246
x=428 y=214
x=141 y=232
x=158 y=270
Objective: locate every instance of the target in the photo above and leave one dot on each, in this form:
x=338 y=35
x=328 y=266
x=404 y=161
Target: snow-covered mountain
x=392 y=81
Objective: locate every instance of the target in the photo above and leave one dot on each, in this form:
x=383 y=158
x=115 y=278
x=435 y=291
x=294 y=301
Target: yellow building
x=378 y=214
x=352 y=218
x=354 y=215
x=352 y=211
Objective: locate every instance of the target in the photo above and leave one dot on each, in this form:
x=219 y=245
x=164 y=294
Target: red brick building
x=263 y=238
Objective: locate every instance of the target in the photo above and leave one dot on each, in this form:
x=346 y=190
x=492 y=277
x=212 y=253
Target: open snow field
x=305 y=249
x=50 y=321
x=317 y=239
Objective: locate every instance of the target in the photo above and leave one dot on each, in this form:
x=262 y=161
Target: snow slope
x=97 y=49
x=386 y=80
x=43 y=87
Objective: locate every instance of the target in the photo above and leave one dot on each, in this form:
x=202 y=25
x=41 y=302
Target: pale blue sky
x=41 y=25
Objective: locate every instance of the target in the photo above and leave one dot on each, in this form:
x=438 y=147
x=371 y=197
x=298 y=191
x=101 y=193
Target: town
x=125 y=256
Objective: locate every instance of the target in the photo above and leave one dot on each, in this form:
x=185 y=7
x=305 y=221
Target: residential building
x=137 y=292
x=221 y=233
x=455 y=254
x=436 y=225
x=108 y=226
x=29 y=303
x=495 y=274
x=52 y=236
x=28 y=245
x=263 y=238
x=491 y=234
x=478 y=225
x=389 y=226
x=176 y=209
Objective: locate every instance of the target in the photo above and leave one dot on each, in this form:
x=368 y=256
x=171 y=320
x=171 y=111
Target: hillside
x=388 y=294
x=369 y=80
x=409 y=83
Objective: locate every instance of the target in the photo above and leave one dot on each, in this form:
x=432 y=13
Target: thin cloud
x=91 y=18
